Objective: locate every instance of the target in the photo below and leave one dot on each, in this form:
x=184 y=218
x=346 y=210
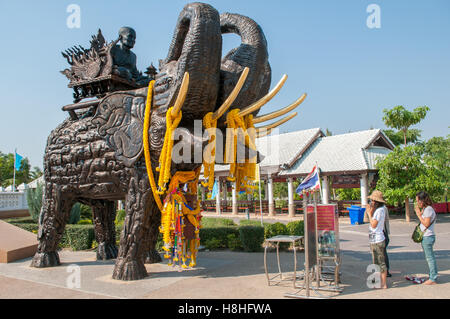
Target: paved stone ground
x=233 y=275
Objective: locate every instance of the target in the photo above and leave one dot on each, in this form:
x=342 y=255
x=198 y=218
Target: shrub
x=234 y=242
x=31 y=227
x=34 y=200
x=85 y=212
x=20 y=220
x=84 y=222
x=296 y=228
x=78 y=237
x=276 y=229
x=120 y=216
x=218 y=235
x=213 y=243
x=251 y=237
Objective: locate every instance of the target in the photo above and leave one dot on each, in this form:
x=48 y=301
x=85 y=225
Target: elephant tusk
x=258 y=104
x=272 y=115
x=181 y=95
x=263 y=133
x=277 y=123
x=224 y=107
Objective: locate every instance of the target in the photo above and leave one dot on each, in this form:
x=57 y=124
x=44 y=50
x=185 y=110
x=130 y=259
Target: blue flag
x=214 y=190
x=17 y=162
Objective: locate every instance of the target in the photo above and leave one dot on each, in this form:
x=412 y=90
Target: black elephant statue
x=98 y=159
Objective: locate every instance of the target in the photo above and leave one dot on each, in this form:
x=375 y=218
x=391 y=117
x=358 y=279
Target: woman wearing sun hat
x=376 y=210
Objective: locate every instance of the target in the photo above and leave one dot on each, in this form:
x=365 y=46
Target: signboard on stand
x=327 y=229
x=321 y=245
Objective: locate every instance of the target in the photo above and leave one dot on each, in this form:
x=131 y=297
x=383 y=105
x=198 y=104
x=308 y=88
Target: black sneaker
x=388 y=274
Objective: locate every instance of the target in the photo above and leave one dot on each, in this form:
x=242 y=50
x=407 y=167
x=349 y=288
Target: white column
x=270 y=191
x=325 y=190
x=234 y=199
x=364 y=193
x=224 y=195
x=291 y=206
x=364 y=189
x=218 y=197
x=266 y=190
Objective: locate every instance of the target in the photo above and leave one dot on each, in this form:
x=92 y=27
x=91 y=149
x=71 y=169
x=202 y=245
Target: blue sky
x=350 y=72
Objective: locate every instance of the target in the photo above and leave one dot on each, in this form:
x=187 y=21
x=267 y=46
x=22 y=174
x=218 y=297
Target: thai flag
x=311 y=182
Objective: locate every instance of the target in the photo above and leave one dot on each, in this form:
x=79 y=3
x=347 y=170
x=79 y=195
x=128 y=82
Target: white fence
x=13 y=200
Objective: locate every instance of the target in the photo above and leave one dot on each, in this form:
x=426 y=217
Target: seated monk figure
x=124 y=60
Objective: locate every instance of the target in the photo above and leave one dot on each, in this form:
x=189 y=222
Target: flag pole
x=14 y=169
x=260 y=199
x=320 y=181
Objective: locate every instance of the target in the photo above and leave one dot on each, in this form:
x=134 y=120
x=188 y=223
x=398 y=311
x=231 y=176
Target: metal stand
x=314 y=263
x=277 y=240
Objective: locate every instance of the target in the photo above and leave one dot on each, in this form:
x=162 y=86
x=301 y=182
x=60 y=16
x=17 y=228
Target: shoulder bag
x=417 y=235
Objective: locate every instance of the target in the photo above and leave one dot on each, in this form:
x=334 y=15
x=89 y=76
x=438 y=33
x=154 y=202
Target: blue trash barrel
x=356 y=214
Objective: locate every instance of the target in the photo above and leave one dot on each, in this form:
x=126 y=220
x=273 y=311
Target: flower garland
x=165 y=159
x=209 y=161
x=241 y=173
x=178 y=248
x=148 y=164
x=175 y=208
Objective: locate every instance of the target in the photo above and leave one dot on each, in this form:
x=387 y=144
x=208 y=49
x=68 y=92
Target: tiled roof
x=341 y=153
x=285 y=148
x=281 y=148
x=299 y=151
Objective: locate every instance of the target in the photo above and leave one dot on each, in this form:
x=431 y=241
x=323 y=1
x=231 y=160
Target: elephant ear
x=120 y=120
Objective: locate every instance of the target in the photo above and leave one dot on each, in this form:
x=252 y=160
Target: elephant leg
x=104 y=213
x=152 y=255
x=54 y=215
x=133 y=245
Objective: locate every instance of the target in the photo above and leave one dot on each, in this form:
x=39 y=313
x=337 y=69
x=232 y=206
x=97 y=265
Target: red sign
x=325 y=216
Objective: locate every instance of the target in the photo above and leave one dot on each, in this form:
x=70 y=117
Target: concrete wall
x=13 y=204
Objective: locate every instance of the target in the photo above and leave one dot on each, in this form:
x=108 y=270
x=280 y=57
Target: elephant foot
x=46 y=259
x=129 y=270
x=153 y=257
x=106 y=251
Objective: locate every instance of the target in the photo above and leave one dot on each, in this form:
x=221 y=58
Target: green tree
x=401 y=119
x=7 y=170
x=436 y=157
x=348 y=193
x=397 y=137
x=405 y=171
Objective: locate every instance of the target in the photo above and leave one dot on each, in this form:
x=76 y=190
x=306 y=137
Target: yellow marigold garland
x=241 y=173
x=209 y=161
x=165 y=159
x=175 y=204
x=148 y=164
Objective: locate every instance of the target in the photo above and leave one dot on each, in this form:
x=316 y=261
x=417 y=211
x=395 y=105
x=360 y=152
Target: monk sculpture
x=124 y=60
